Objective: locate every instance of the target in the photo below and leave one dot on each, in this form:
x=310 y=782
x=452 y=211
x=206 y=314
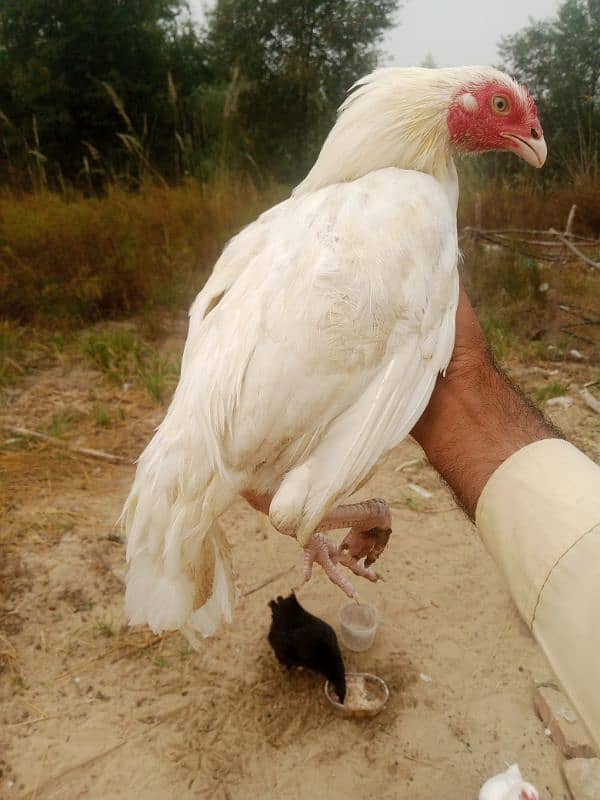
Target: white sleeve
x=539 y=517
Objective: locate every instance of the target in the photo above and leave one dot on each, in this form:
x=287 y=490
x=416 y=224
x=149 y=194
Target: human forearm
x=476 y=418
x=470 y=428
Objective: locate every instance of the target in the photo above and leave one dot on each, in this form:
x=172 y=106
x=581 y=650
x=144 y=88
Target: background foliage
x=133 y=142
x=129 y=88
x=559 y=59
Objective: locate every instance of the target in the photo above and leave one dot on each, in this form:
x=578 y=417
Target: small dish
x=366 y=695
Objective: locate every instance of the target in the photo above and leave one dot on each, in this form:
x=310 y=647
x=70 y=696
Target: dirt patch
x=92 y=709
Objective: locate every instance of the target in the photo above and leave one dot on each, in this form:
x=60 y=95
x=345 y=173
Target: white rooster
x=508 y=785
x=315 y=344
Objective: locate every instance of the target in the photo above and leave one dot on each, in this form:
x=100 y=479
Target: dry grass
x=13 y=349
x=68 y=259
x=525 y=201
x=521 y=300
x=540 y=309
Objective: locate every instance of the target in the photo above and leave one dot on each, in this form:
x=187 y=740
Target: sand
x=91 y=709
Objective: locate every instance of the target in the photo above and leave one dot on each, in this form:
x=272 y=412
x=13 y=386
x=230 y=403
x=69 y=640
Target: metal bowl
x=366 y=695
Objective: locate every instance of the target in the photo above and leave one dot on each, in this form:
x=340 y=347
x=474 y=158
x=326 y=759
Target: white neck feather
x=395 y=118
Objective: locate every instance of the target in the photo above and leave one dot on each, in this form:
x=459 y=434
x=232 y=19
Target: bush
x=69 y=260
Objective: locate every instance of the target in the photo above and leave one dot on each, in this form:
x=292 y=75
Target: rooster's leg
x=370 y=528
x=323 y=551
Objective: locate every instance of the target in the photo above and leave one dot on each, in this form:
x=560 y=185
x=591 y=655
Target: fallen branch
x=535 y=243
x=543 y=241
x=529 y=231
x=31 y=721
x=272 y=579
x=575 y=250
x=122 y=650
x=586 y=339
x=52 y=440
x=512 y=245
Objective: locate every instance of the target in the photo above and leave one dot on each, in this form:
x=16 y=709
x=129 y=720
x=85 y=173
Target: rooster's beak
x=531 y=149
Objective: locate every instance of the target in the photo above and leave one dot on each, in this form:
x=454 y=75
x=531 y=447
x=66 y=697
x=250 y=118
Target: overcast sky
x=459 y=32
x=455 y=32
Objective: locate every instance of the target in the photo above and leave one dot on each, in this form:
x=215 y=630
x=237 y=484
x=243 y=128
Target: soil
x=93 y=709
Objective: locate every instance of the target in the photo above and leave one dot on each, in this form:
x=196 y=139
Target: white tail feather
x=218 y=609
x=180 y=572
x=163 y=602
x=169 y=602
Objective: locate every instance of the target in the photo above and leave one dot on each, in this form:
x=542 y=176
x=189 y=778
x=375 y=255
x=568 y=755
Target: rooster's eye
x=500 y=104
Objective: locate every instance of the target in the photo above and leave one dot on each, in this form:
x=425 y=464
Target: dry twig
x=535 y=243
x=272 y=579
x=84 y=451
x=575 y=250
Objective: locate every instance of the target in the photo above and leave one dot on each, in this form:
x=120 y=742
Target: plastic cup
x=358 y=624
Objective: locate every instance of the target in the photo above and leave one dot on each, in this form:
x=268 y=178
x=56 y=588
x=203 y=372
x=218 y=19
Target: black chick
x=300 y=639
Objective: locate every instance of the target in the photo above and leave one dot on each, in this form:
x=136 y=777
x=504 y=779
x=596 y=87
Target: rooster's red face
x=497 y=116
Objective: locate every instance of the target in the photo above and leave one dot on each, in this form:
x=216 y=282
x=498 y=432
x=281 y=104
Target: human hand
x=476 y=418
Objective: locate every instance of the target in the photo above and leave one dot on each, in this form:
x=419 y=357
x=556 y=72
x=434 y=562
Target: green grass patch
x=101 y=416
x=550 y=391
x=500 y=340
x=125 y=358
x=104 y=628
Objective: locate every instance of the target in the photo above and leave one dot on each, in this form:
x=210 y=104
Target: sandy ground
x=91 y=709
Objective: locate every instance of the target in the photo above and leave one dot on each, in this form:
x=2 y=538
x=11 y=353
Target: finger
x=338 y=578
x=327 y=555
x=357 y=568
x=317 y=548
x=308 y=564
x=333 y=551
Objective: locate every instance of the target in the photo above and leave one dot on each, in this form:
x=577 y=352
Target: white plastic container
x=358 y=624
x=366 y=695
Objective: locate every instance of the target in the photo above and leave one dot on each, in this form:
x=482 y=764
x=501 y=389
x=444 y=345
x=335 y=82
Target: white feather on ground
x=508 y=785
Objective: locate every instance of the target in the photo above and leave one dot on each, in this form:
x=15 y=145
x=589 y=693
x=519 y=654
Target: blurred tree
x=559 y=59
x=102 y=88
x=428 y=62
x=292 y=61
x=74 y=74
